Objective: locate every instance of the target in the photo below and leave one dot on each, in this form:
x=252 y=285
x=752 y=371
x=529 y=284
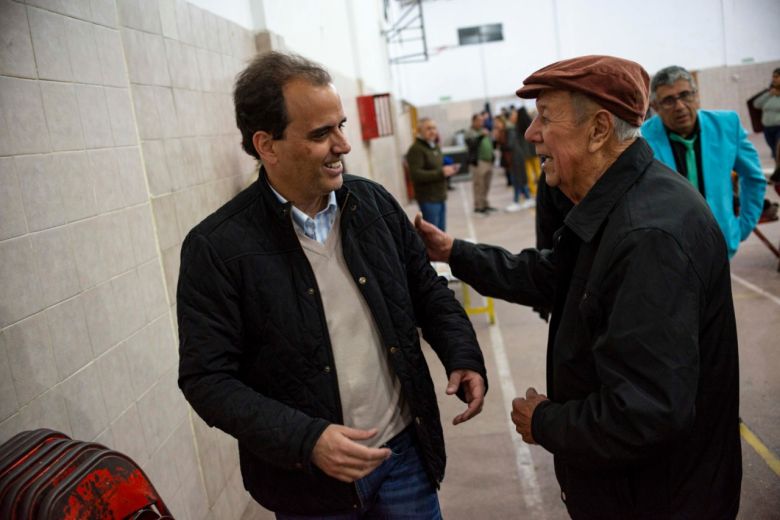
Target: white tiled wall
x=116 y=137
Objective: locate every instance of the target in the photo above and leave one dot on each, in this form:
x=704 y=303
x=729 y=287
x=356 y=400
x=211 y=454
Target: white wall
x=343 y=35
x=695 y=33
x=238 y=11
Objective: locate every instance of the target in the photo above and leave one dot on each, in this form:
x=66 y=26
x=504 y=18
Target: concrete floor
x=492 y=474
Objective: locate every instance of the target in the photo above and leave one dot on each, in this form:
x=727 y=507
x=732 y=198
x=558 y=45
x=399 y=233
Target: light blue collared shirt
x=316 y=228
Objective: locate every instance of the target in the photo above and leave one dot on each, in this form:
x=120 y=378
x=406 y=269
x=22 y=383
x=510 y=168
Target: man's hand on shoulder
x=437 y=242
x=473 y=390
x=338 y=455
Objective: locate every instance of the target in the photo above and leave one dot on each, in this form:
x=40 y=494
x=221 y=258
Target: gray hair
x=669 y=76
x=625 y=131
x=583 y=106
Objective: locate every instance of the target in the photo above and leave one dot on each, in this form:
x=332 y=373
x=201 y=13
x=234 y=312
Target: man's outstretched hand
x=473 y=391
x=437 y=242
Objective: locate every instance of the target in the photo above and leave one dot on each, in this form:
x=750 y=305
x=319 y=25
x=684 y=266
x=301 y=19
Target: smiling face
x=561 y=142
x=678 y=115
x=305 y=164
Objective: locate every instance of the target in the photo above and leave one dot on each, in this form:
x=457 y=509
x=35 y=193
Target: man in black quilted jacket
x=298 y=305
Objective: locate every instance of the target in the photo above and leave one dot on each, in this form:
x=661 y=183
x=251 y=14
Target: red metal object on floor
x=45 y=475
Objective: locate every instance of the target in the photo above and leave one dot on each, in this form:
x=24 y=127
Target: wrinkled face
x=428 y=131
x=677 y=105
x=561 y=143
x=308 y=158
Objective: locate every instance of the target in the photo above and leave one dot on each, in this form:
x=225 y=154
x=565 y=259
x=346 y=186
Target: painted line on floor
x=525 y=464
x=759 y=447
x=755 y=289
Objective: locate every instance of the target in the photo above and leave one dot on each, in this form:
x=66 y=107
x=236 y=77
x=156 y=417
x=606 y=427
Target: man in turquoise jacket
x=706 y=146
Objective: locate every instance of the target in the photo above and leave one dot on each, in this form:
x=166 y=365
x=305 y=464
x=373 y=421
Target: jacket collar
x=425 y=143
x=282 y=210
x=587 y=217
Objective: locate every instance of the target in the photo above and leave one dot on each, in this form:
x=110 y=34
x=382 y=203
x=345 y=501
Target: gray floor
x=492 y=476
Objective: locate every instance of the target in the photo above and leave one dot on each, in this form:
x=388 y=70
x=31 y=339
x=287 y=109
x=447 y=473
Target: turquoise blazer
x=724 y=147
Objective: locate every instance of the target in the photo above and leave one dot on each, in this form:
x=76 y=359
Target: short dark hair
x=776 y=71
x=259 y=98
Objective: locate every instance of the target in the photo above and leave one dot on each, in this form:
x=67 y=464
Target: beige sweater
x=370 y=392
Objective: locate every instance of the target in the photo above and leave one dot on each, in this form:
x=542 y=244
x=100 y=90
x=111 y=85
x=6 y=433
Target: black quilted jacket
x=256 y=359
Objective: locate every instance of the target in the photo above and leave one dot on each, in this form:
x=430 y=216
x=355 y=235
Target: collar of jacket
x=425 y=143
x=586 y=218
x=282 y=210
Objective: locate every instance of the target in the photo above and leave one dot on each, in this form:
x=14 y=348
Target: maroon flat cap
x=621 y=86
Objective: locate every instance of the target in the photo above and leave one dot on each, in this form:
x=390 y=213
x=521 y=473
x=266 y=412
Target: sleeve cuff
x=537 y=422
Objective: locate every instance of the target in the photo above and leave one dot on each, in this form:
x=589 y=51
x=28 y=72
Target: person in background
x=429 y=174
x=487 y=118
x=552 y=206
x=480 y=146
x=642 y=416
x=299 y=303
x=705 y=146
x=532 y=166
x=769 y=103
x=504 y=153
x=521 y=150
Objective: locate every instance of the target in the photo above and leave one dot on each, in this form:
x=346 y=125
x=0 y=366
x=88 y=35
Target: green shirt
x=485 y=152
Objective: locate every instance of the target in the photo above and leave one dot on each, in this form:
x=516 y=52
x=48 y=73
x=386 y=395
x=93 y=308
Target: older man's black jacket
x=256 y=359
x=642 y=367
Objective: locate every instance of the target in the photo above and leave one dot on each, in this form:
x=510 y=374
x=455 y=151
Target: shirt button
x=326 y=369
x=353 y=207
x=310 y=290
x=418 y=420
x=563 y=496
x=393 y=350
x=362 y=280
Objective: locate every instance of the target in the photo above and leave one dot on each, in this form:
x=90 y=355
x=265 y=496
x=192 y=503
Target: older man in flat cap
x=642 y=368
